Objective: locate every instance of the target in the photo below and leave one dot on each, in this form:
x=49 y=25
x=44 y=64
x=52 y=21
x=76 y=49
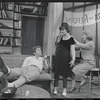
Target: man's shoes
x=4 y=69
x=4 y=81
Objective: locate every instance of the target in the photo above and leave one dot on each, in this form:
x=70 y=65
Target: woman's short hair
x=64 y=25
x=35 y=47
x=88 y=34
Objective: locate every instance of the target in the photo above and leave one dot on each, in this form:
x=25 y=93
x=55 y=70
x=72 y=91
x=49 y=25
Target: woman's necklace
x=66 y=37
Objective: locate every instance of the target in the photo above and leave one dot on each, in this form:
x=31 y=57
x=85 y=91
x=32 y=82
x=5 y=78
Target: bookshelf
x=31 y=8
x=11 y=22
x=8 y=27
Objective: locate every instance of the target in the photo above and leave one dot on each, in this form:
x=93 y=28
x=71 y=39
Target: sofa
x=44 y=80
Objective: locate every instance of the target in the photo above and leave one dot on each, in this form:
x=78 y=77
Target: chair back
x=96 y=62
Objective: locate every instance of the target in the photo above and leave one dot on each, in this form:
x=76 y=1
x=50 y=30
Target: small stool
x=92 y=79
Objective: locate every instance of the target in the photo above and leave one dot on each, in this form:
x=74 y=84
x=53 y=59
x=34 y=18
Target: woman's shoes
x=82 y=84
x=72 y=90
x=55 y=92
x=64 y=93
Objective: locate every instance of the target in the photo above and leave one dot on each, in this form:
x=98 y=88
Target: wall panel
x=99 y=34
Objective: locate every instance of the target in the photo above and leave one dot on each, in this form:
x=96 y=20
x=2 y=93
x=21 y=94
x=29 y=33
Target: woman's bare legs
x=73 y=79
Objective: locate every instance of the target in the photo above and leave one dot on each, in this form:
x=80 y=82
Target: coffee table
x=34 y=92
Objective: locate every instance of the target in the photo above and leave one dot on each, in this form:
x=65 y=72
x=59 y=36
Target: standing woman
x=64 y=58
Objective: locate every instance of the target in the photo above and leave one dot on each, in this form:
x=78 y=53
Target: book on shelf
x=15 y=16
x=1 y=5
x=16 y=8
x=1 y=41
x=19 y=33
x=5 y=41
x=19 y=24
x=4 y=5
x=16 y=24
x=19 y=7
x=18 y=42
x=0 y=14
x=10 y=6
x=13 y=42
x=3 y=13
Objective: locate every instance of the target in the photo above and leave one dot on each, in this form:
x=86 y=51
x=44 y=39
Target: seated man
x=30 y=70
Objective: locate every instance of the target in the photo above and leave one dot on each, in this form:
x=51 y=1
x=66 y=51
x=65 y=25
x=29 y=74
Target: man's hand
x=45 y=63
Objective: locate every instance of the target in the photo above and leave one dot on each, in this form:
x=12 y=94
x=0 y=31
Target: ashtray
x=8 y=91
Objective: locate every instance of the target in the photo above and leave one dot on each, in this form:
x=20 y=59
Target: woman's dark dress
x=62 y=58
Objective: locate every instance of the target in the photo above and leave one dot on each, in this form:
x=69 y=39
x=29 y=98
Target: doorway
x=32 y=33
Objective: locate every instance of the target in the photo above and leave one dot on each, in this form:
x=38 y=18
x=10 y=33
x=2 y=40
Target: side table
x=34 y=92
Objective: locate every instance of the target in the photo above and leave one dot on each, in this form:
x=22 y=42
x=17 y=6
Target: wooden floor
x=83 y=93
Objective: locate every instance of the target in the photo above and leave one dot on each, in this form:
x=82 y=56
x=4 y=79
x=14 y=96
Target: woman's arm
x=77 y=48
x=86 y=46
x=72 y=54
